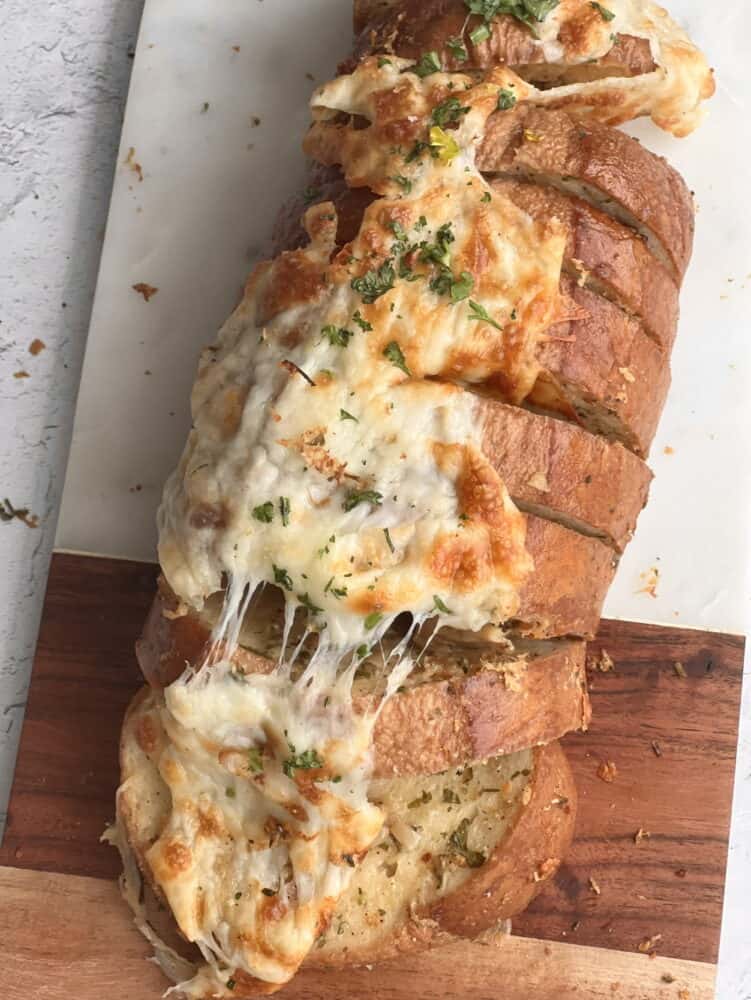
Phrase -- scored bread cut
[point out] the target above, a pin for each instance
(467, 699)
(460, 852)
(605, 256)
(600, 164)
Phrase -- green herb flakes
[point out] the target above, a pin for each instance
(506, 99)
(448, 112)
(282, 577)
(458, 49)
(440, 605)
(480, 313)
(304, 761)
(355, 497)
(346, 415)
(372, 620)
(458, 843)
(337, 336)
(284, 510)
(264, 512)
(429, 62)
(388, 539)
(255, 760)
(605, 14)
(306, 602)
(375, 283)
(394, 354)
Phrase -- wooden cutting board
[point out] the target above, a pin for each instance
(65, 933)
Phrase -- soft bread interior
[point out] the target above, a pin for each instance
(438, 830)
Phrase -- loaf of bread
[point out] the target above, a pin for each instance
(418, 452)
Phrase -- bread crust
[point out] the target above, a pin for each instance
(555, 465)
(605, 255)
(607, 360)
(411, 27)
(527, 857)
(480, 700)
(629, 180)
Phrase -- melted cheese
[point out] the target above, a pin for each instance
(335, 468)
(671, 94)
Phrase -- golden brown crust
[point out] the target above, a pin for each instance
(408, 28)
(479, 700)
(606, 255)
(565, 592)
(557, 466)
(631, 182)
(607, 360)
(526, 858)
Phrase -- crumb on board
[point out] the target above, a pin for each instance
(539, 481)
(145, 289)
(667, 450)
(594, 885)
(651, 578)
(9, 512)
(132, 164)
(681, 872)
(607, 771)
(680, 670)
(656, 748)
(684, 995)
(205, 107)
(21, 374)
(603, 663)
(627, 374)
(648, 945)
(666, 977)
(255, 121)
(641, 834)
(36, 346)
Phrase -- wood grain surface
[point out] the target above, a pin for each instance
(670, 883)
(95, 952)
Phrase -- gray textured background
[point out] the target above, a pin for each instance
(64, 70)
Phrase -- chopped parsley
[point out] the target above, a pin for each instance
(395, 355)
(337, 336)
(346, 415)
(438, 252)
(398, 230)
(421, 223)
(306, 602)
(480, 314)
(448, 112)
(429, 62)
(230, 792)
(421, 800)
(372, 620)
(605, 14)
(284, 509)
(264, 512)
(362, 323)
(375, 283)
(479, 34)
(231, 984)
(311, 194)
(355, 497)
(417, 150)
(440, 605)
(458, 842)
(526, 11)
(282, 577)
(255, 760)
(486, 197)
(301, 761)
(388, 539)
(458, 49)
(450, 796)
(338, 592)
(506, 99)
(461, 287)
(383, 61)
(362, 651)
(404, 182)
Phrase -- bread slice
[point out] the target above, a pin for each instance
(605, 369)
(559, 471)
(467, 699)
(605, 256)
(465, 850)
(601, 165)
(411, 27)
(461, 851)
